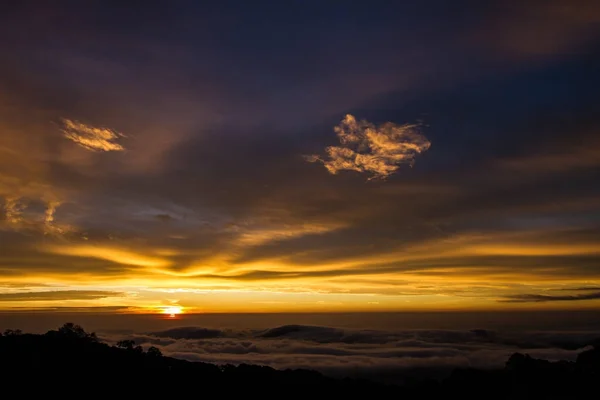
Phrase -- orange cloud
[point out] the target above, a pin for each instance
(378, 150)
(92, 138)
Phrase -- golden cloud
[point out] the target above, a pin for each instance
(255, 237)
(90, 137)
(378, 150)
(113, 254)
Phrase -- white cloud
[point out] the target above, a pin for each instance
(359, 353)
(92, 138)
(378, 150)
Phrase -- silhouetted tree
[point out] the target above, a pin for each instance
(589, 360)
(72, 331)
(130, 345)
(126, 344)
(517, 361)
(154, 351)
(13, 332)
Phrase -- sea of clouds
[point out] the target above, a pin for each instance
(386, 355)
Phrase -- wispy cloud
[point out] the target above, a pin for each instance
(579, 289)
(257, 236)
(49, 226)
(12, 210)
(90, 137)
(537, 298)
(366, 147)
(116, 255)
(16, 217)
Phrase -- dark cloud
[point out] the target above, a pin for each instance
(540, 28)
(579, 289)
(92, 310)
(537, 298)
(23, 285)
(163, 217)
(59, 295)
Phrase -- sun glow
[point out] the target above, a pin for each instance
(172, 311)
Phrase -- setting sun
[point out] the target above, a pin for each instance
(172, 311)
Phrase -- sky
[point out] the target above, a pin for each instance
(297, 156)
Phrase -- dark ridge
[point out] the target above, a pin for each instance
(74, 362)
(286, 330)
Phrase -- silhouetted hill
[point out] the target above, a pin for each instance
(71, 359)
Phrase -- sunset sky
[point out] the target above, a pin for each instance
(283, 156)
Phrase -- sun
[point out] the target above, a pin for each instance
(172, 311)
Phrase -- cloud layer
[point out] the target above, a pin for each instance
(384, 355)
(377, 150)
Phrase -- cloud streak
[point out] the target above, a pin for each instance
(117, 255)
(90, 137)
(59, 295)
(577, 289)
(538, 298)
(378, 150)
